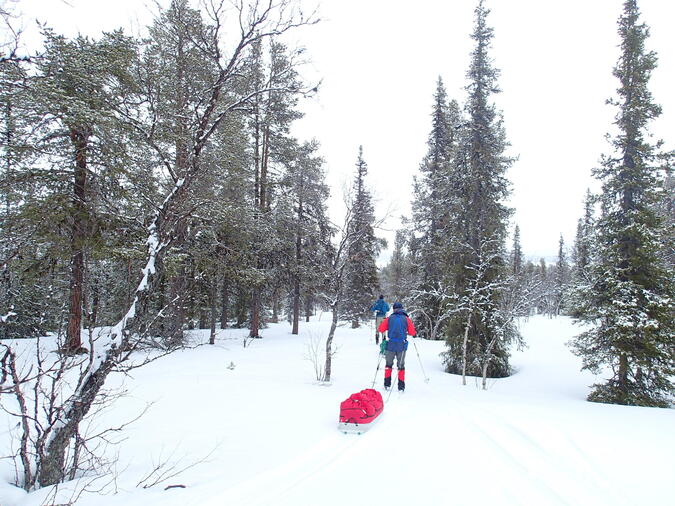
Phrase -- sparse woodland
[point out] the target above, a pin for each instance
(152, 186)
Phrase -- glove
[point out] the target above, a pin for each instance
(383, 346)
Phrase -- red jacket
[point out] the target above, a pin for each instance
(384, 326)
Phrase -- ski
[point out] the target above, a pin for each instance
(354, 428)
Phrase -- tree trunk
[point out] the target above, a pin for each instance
(298, 260)
(242, 306)
(190, 300)
(296, 305)
(177, 302)
(95, 301)
(52, 468)
(161, 302)
(79, 138)
(486, 361)
(308, 307)
(623, 371)
(329, 352)
(204, 317)
(214, 301)
(255, 313)
(225, 299)
(256, 154)
(275, 306)
(465, 343)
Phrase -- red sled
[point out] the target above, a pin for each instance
(360, 410)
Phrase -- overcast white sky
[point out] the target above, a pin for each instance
(379, 61)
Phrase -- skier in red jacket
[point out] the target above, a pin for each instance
(398, 326)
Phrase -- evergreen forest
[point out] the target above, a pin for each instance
(151, 186)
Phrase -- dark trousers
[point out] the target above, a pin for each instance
(400, 364)
(400, 359)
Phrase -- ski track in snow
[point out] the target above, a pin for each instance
(554, 476)
(530, 439)
(284, 479)
(287, 476)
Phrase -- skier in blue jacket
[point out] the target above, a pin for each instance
(380, 307)
(398, 327)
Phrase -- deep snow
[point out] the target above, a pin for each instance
(257, 429)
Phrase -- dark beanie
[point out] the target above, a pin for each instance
(381, 296)
(398, 305)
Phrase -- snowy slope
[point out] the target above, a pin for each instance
(264, 432)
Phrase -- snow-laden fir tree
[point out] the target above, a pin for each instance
(629, 300)
(667, 210)
(397, 274)
(516, 253)
(361, 283)
(522, 285)
(481, 332)
(431, 246)
(581, 252)
(561, 279)
(430, 209)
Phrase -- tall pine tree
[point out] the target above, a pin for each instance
(482, 331)
(432, 247)
(396, 275)
(361, 283)
(561, 279)
(516, 253)
(630, 301)
(581, 253)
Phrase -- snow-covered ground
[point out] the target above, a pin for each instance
(253, 427)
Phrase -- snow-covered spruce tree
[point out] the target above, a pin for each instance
(516, 253)
(581, 252)
(480, 223)
(429, 207)
(561, 279)
(361, 283)
(396, 276)
(630, 300)
(431, 246)
(666, 210)
(339, 244)
(522, 286)
(545, 297)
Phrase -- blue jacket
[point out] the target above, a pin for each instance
(397, 331)
(381, 307)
